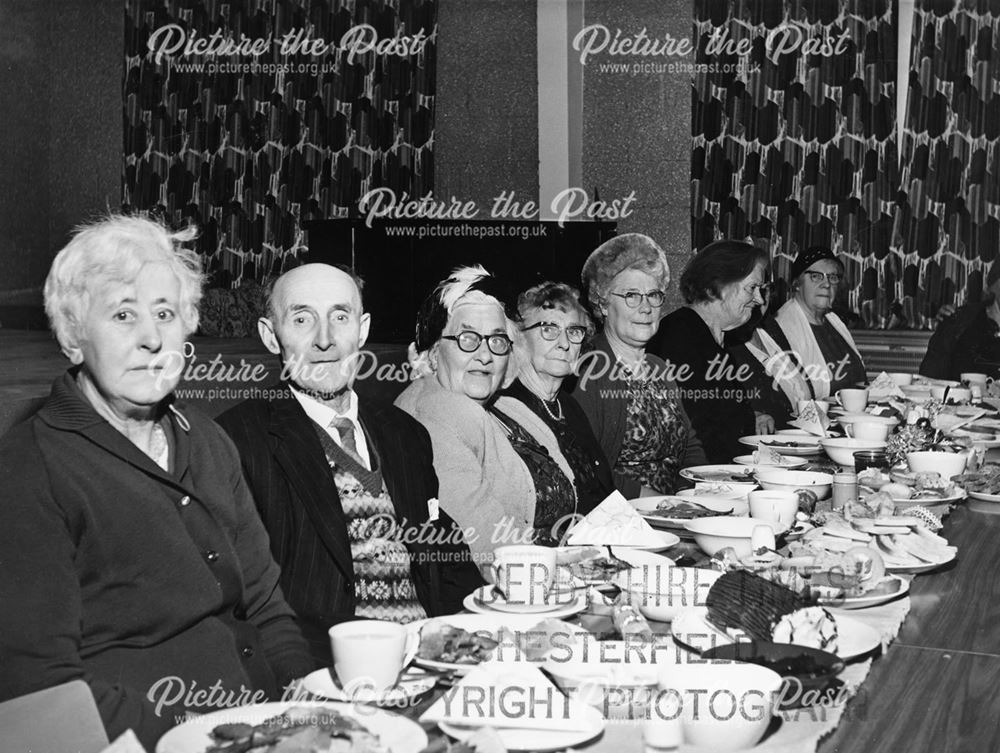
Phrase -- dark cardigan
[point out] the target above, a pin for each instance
(719, 407)
(118, 573)
(576, 421)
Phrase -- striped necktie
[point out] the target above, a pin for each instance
(345, 428)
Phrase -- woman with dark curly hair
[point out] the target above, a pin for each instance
(721, 285)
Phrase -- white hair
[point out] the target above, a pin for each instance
(113, 250)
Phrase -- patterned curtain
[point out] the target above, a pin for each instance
(792, 119)
(337, 99)
(947, 226)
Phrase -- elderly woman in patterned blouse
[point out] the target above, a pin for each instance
(630, 396)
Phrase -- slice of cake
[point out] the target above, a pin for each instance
(766, 611)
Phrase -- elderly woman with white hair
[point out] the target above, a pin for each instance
(133, 556)
(629, 395)
(501, 474)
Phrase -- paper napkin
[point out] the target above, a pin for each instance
(813, 419)
(764, 455)
(614, 521)
(511, 696)
(882, 387)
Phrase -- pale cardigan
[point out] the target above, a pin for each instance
(482, 482)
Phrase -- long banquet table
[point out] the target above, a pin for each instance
(936, 689)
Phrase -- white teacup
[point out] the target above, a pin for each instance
(971, 378)
(854, 401)
(900, 379)
(775, 507)
(369, 654)
(524, 573)
(868, 430)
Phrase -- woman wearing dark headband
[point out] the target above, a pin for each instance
(502, 476)
(806, 349)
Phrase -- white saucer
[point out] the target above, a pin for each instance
(488, 600)
(412, 685)
(538, 740)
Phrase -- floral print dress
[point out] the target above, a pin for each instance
(656, 436)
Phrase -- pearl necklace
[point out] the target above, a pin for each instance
(553, 416)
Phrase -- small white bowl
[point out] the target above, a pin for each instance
(850, 418)
(713, 534)
(947, 464)
(660, 593)
(723, 706)
(778, 479)
(842, 451)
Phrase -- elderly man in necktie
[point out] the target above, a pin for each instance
(345, 487)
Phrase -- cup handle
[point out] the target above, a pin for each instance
(412, 646)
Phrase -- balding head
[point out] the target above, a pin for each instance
(316, 324)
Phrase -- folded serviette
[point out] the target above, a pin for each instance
(882, 387)
(614, 521)
(764, 455)
(813, 419)
(126, 742)
(511, 696)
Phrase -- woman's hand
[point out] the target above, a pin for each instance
(764, 423)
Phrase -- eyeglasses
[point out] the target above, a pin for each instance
(633, 298)
(816, 278)
(469, 342)
(574, 333)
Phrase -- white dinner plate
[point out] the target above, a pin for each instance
(634, 557)
(920, 566)
(786, 445)
(487, 600)
(489, 624)
(902, 586)
(692, 628)
(982, 502)
(412, 685)
(397, 733)
(536, 739)
(647, 507)
(788, 462)
(733, 475)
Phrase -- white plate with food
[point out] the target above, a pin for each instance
(672, 512)
(892, 587)
(458, 642)
(314, 720)
(489, 600)
(596, 566)
(731, 474)
(920, 566)
(787, 461)
(414, 683)
(692, 628)
(540, 740)
(785, 444)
